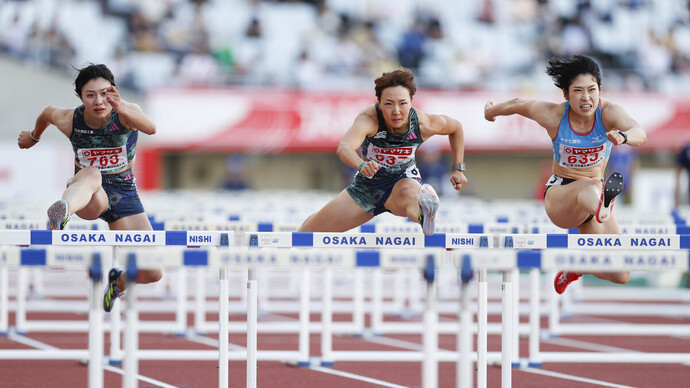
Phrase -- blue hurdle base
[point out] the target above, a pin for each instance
(534, 364)
(327, 363)
(115, 362)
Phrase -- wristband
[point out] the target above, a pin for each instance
(31, 134)
(625, 136)
(459, 166)
(359, 169)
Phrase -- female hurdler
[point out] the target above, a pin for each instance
(583, 129)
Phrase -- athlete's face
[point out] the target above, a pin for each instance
(395, 104)
(583, 95)
(93, 95)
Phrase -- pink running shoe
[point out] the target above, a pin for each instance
(563, 279)
(612, 187)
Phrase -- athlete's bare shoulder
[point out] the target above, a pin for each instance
(60, 117)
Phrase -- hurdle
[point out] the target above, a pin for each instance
(322, 254)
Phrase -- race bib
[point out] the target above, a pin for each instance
(581, 157)
(105, 159)
(389, 157)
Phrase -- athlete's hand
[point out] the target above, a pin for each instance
(370, 169)
(458, 179)
(488, 106)
(25, 140)
(112, 96)
(615, 137)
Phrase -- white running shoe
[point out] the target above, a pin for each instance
(428, 205)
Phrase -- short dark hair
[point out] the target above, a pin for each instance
(564, 70)
(90, 72)
(401, 77)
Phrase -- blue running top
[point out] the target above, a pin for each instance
(571, 149)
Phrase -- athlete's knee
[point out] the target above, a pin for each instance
(93, 176)
(620, 277)
(150, 276)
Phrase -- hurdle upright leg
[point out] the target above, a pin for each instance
(4, 300)
(430, 334)
(252, 317)
(327, 318)
(482, 317)
(464, 371)
(131, 363)
(95, 324)
(223, 336)
(534, 317)
(506, 335)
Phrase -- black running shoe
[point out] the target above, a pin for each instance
(112, 291)
(612, 187)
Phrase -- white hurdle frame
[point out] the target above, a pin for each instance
(504, 260)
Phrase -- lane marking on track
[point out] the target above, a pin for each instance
(140, 377)
(44, 346)
(202, 339)
(573, 378)
(29, 341)
(355, 377)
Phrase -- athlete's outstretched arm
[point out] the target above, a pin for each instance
(615, 119)
(131, 115)
(546, 114)
(59, 117)
(365, 125)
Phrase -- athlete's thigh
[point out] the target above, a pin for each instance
(96, 206)
(134, 222)
(404, 192)
(342, 213)
(562, 207)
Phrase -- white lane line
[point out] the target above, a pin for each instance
(573, 378)
(355, 377)
(393, 342)
(202, 339)
(140, 377)
(29, 341)
(44, 346)
(572, 343)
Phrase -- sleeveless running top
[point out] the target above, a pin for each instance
(395, 153)
(109, 148)
(574, 150)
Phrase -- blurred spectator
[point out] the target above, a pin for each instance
(642, 43)
(411, 48)
(235, 176)
(624, 159)
(682, 172)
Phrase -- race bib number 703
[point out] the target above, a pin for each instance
(103, 158)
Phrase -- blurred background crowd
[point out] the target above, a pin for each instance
(343, 44)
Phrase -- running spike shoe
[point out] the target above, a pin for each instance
(428, 205)
(112, 291)
(58, 215)
(563, 279)
(612, 187)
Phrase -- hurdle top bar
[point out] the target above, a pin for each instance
(116, 237)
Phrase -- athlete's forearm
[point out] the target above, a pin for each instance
(43, 120)
(137, 119)
(636, 136)
(349, 155)
(457, 146)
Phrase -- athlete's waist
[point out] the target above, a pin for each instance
(126, 167)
